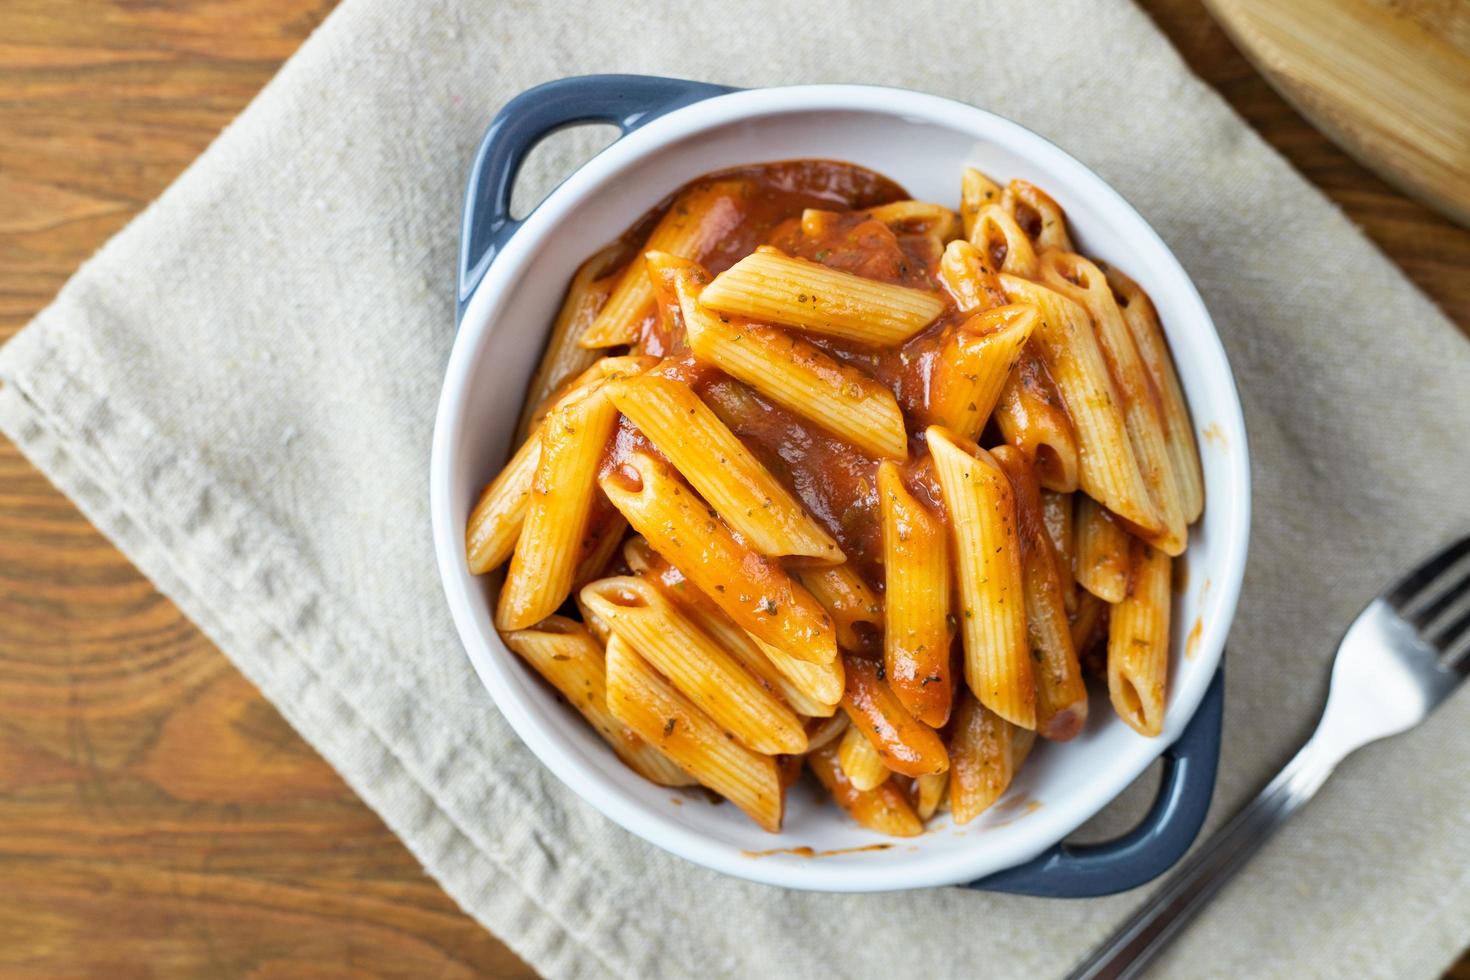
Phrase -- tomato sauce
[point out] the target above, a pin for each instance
(834, 480)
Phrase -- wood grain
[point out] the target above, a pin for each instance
(157, 816)
(1389, 81)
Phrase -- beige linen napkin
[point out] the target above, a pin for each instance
(239, 390)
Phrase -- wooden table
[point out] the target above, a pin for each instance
(156, 814)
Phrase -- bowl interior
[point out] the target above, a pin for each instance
(922, 142)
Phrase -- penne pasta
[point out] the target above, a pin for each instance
(935, 220)
(622, 365)
(1108, 469)
(992, 599)
(860, 762)
(564, 358)
(495, 523)
(968, 276)
(916, 563)
(1143, 322)
(772, 287)
(821, 732)
(854, 607)
(565, 391)
(701, 669)
(699, 217)
(1090, 630)
(752, 589)
(1031, 417)
(602, 544)
(552, 540)
(1102, 552)
(976, 191)
(821, 684)
(976, 359)
(1038, 215)
(1056, 514)
(811, 689)
(596, 625)
(817, 223)
(1138, 643)
(564, 653)
(717, 464)
(905, 744)
(1005, 246)
(1061, 696)
(929, 792)
(795, 375)
(1080, 280)
(982, 762)
(884, 809)
(649, 705)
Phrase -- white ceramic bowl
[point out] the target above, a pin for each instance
(923, 142)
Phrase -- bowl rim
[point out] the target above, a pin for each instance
(1051, 824)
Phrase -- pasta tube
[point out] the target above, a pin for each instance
(717, 464)
(661, 716)
(916, 639)
(1109, 470)
(1030, 417)
(699, 217)
(884, 808)
(795, 375)
(976, 191)
(974, 363)
(1138, 643)
(701, 669)
(1080, 280)
(1143, 322)
(860, 762)
(551, 543)
(772, 287)
(905, 744)
(992, 598)
(1061, 696)
(982, 760)
(752, 589)
(811, 689)
(1102, 552)
(569, 658)
(854, 607)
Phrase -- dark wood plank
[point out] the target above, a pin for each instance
(157, 816)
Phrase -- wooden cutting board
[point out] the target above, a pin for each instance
(1388, 80)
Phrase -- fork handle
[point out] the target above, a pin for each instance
(1144, 935)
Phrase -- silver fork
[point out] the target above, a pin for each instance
(1401, 657)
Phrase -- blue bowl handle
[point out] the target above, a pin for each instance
(1151, 848)
(626, 101)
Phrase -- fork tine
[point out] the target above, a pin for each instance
(1457, 656)
(1419, 579)
(1444, 638)
(1444, 601)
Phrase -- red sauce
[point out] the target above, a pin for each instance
(836, 481)
(804, 851)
